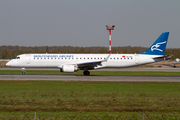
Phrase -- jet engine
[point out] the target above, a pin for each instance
(177, 59)
(68, 68)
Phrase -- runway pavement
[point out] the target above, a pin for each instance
(90, 78)
(95, 78)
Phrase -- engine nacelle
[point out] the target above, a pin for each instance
(177, 59)
(68, 68)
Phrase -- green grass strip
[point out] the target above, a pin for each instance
(89, 97)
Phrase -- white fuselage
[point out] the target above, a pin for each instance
(57, 60)
(75, 62)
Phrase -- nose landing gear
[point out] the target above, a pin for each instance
(23, 71)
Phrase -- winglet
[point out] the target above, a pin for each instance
(105, 60)
(159, 46)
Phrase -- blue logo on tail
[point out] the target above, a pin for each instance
(155, 47)
(159, 46)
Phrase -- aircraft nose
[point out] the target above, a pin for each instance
(9, 63)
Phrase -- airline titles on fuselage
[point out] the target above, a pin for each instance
(53, 56)
(72, 56)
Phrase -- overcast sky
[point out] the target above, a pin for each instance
(83, 22)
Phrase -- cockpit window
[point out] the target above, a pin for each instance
(17, 57)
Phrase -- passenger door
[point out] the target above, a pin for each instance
(28, 58)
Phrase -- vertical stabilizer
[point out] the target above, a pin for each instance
(159, 46)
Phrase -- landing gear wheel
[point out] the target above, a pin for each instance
(23, 73)
(86, 72)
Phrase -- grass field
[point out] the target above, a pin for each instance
(52, 72)
(92, 97)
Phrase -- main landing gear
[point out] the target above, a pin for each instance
(174, 66)
(23, 71)
(86, 72)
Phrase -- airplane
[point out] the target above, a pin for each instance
(172, 64)
(70, 63)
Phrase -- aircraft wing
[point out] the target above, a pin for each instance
(89, 65)
(85, 65)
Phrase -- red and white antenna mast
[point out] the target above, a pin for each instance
(110, 28)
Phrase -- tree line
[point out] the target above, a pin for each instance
(9, 52)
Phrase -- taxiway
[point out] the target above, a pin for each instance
(96, 77)
(90, 78)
